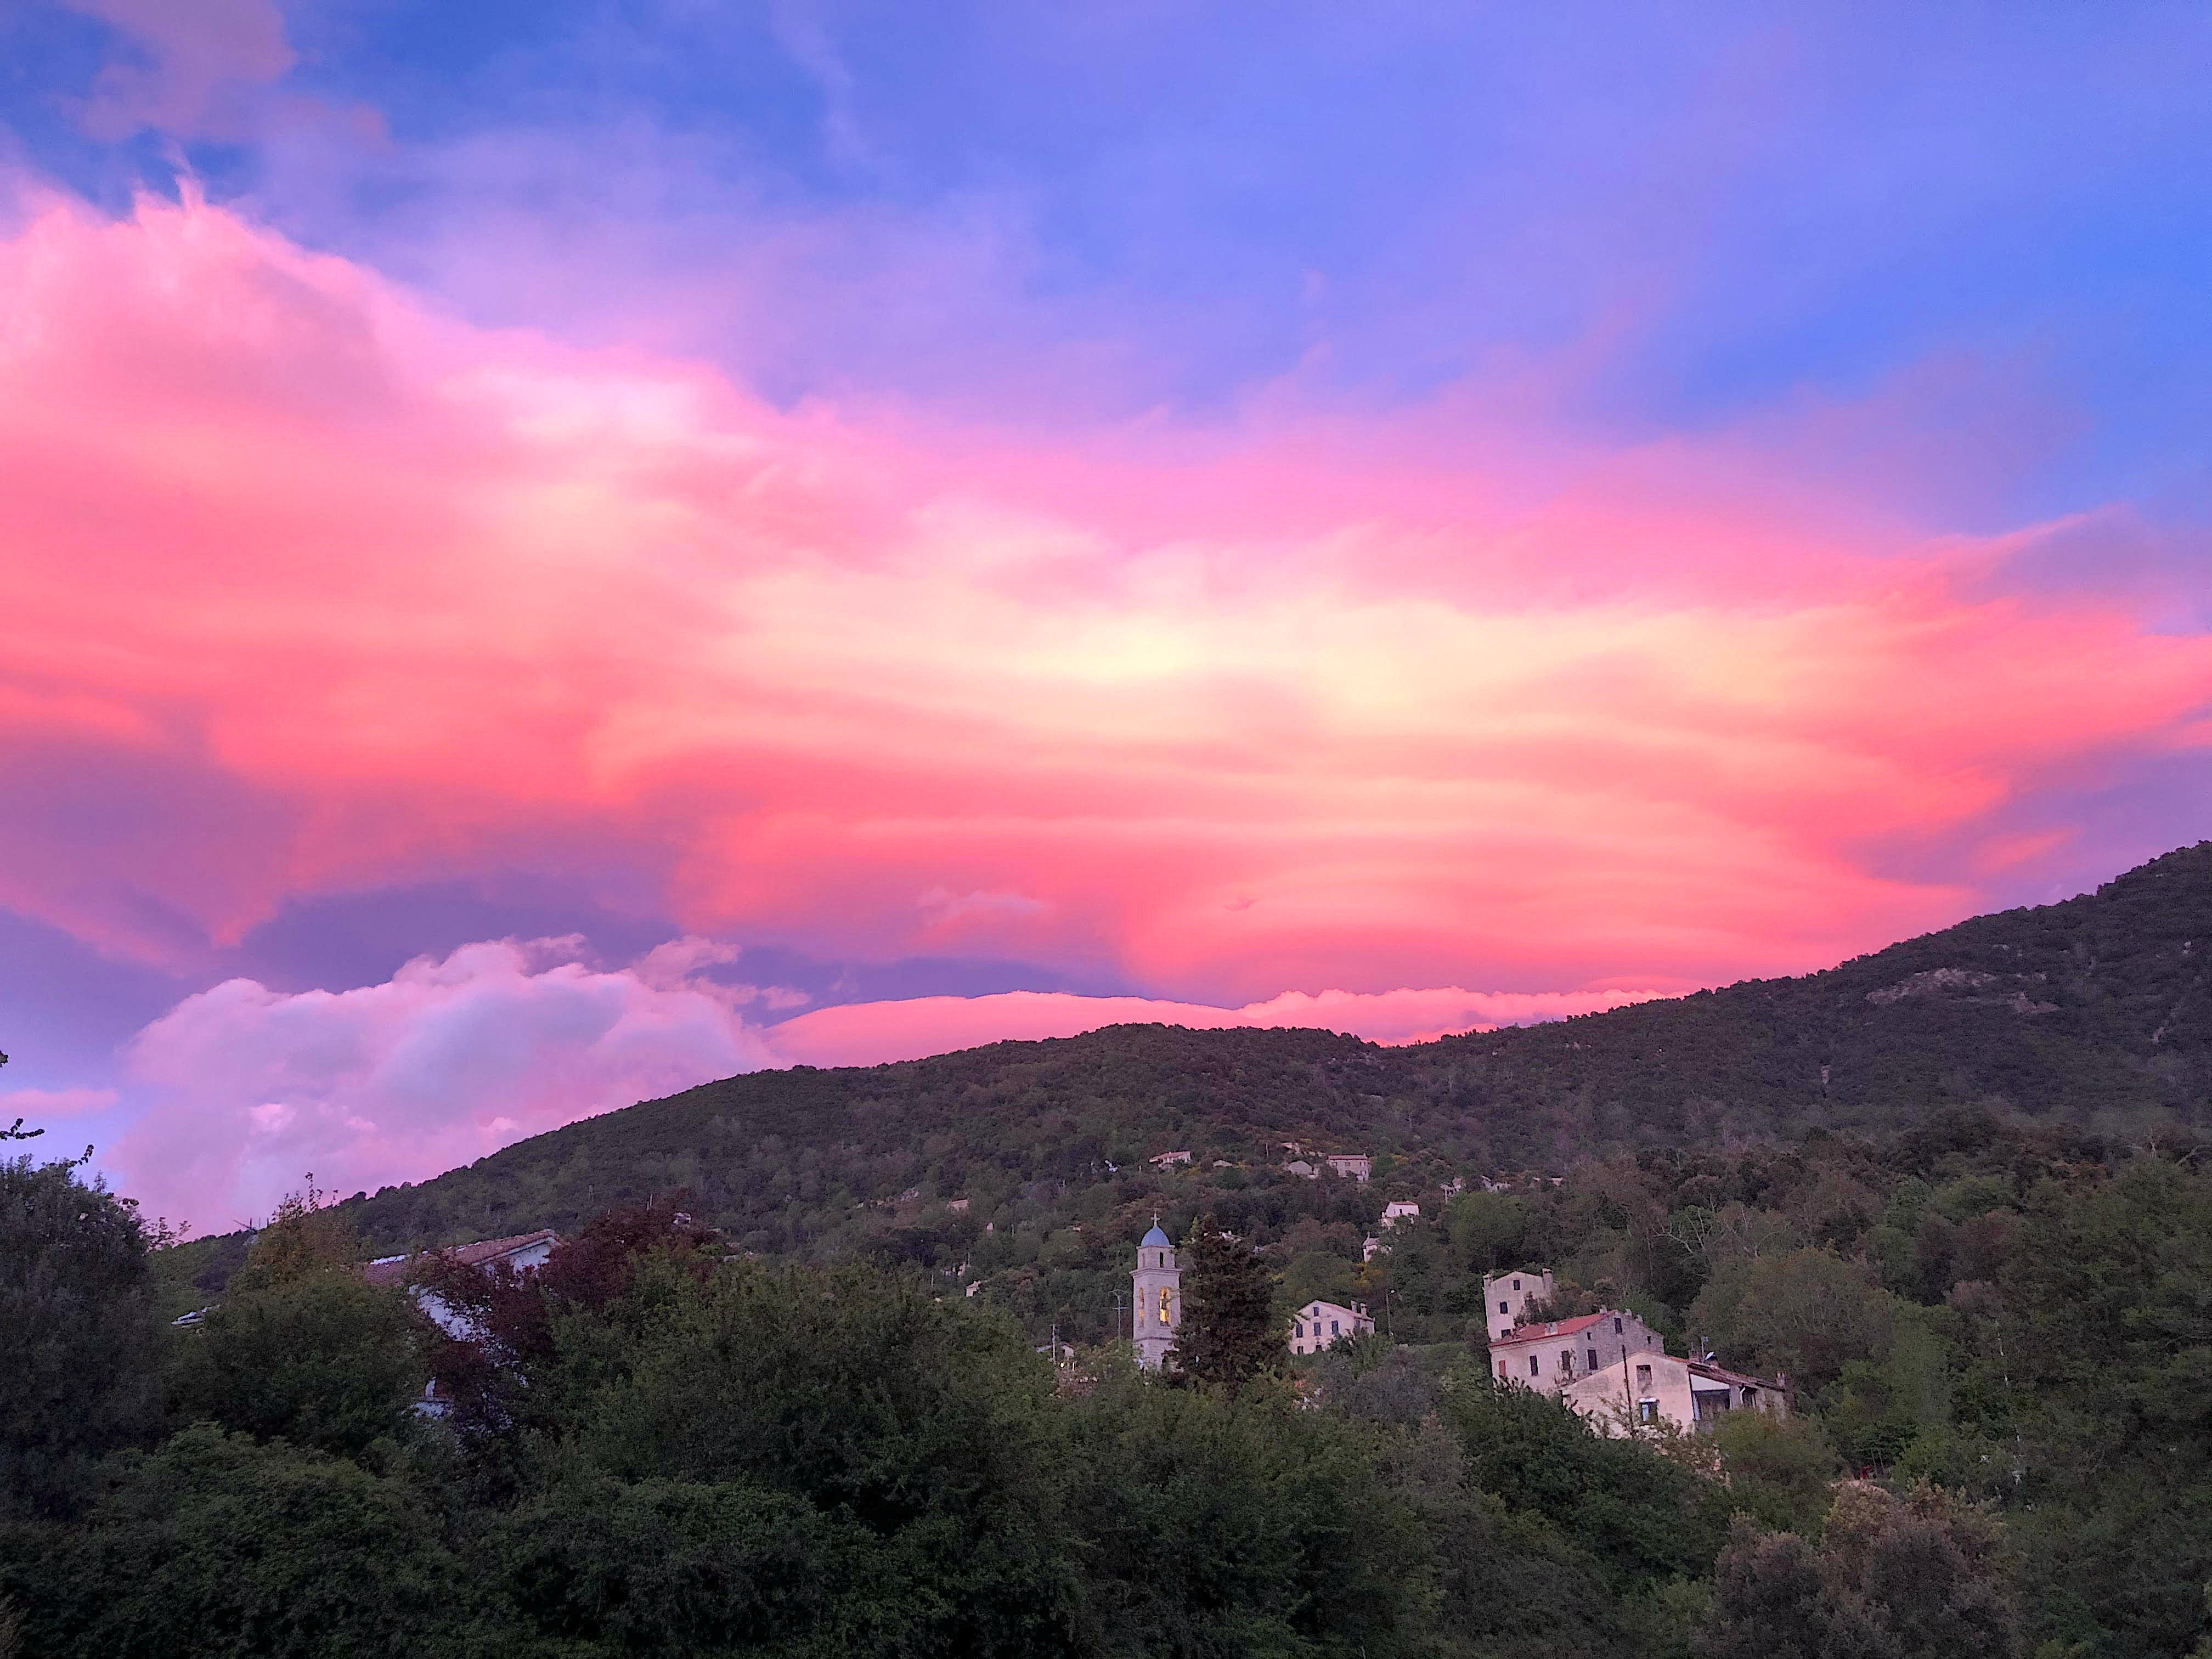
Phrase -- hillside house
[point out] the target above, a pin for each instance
(1303, 1170)
(1353, 1166)
(1395, 1212)
(520, 1253)
(1550, 1355)
(1319, 1325)
(1690, 1393)
(1506, 1296)
(1169, 1160)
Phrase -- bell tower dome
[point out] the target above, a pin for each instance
(1158, 1310)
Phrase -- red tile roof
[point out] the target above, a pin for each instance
(393, 1270)
(1542, 1332)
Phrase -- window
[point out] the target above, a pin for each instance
(1501, 1308)
(1642, 1377)
(1647, 1410)
(1616, 1327)
(1332, 1327)
(1301, 1328)
(1164, 1304)
(1532, 1365)
(1516, 1284)
(1566, 1362)
(1592, 1357)
(1747, 1393)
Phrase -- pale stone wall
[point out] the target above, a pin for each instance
(1319, 1325)
(1554, 1356)
(1662, 1386)
(1506, 1296)
(1157, 1284)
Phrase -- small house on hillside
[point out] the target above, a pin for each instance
(1354, 1166)
(1392, 1213)
(1506, 1297)
(1319, 1325)
(1168, 1160)
(1691, 1393)
(1303, 1170)
(1549, 1356)
(522, 1252)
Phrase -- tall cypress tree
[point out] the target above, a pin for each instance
(1229, 1334)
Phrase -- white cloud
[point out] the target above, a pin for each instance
(447, 1060)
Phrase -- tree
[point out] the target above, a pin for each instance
(1229, 1334)
(301, 1347)
(1895, 1578)
(213, 1544)
(78, 1330)
(1780, 1469)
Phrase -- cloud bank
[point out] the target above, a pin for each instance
(247, 1090)
(313, 589)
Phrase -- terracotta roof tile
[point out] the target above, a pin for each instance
(1546, 1332)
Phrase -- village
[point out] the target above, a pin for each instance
(1606, 1364)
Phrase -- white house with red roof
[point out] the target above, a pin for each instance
(521, 1252)
(1551, 1354)
(1614, 1369)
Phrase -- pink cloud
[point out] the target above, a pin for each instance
(248, 1089)
(871, 1033)
(196, 62)
(312, 587)
(37, 1105)
(244, 1090)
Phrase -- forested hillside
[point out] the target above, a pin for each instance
(1978, 1246)
(2094, 1015)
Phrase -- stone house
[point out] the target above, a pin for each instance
(520, 1253)
(1398, 1211)
(1690, 1393)
(1319, 1325)
(1354, 1166)
(1552, 1356)
(1506, 1296)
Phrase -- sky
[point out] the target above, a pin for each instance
(554, 552)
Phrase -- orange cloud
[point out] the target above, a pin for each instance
(310, 587)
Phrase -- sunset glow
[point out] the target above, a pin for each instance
(985, 651)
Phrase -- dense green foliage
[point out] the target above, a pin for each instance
(76, 1326)
(1958, 1192)
(2094, 1015)
(659, 1446)
(1230, 1337)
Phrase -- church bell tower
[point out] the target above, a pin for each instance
(1159, 1311)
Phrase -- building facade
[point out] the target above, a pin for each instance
(1690, 1393)
(1550, 1355)
(1319, 1325)
(1157, 1285)
(1506, 1296)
